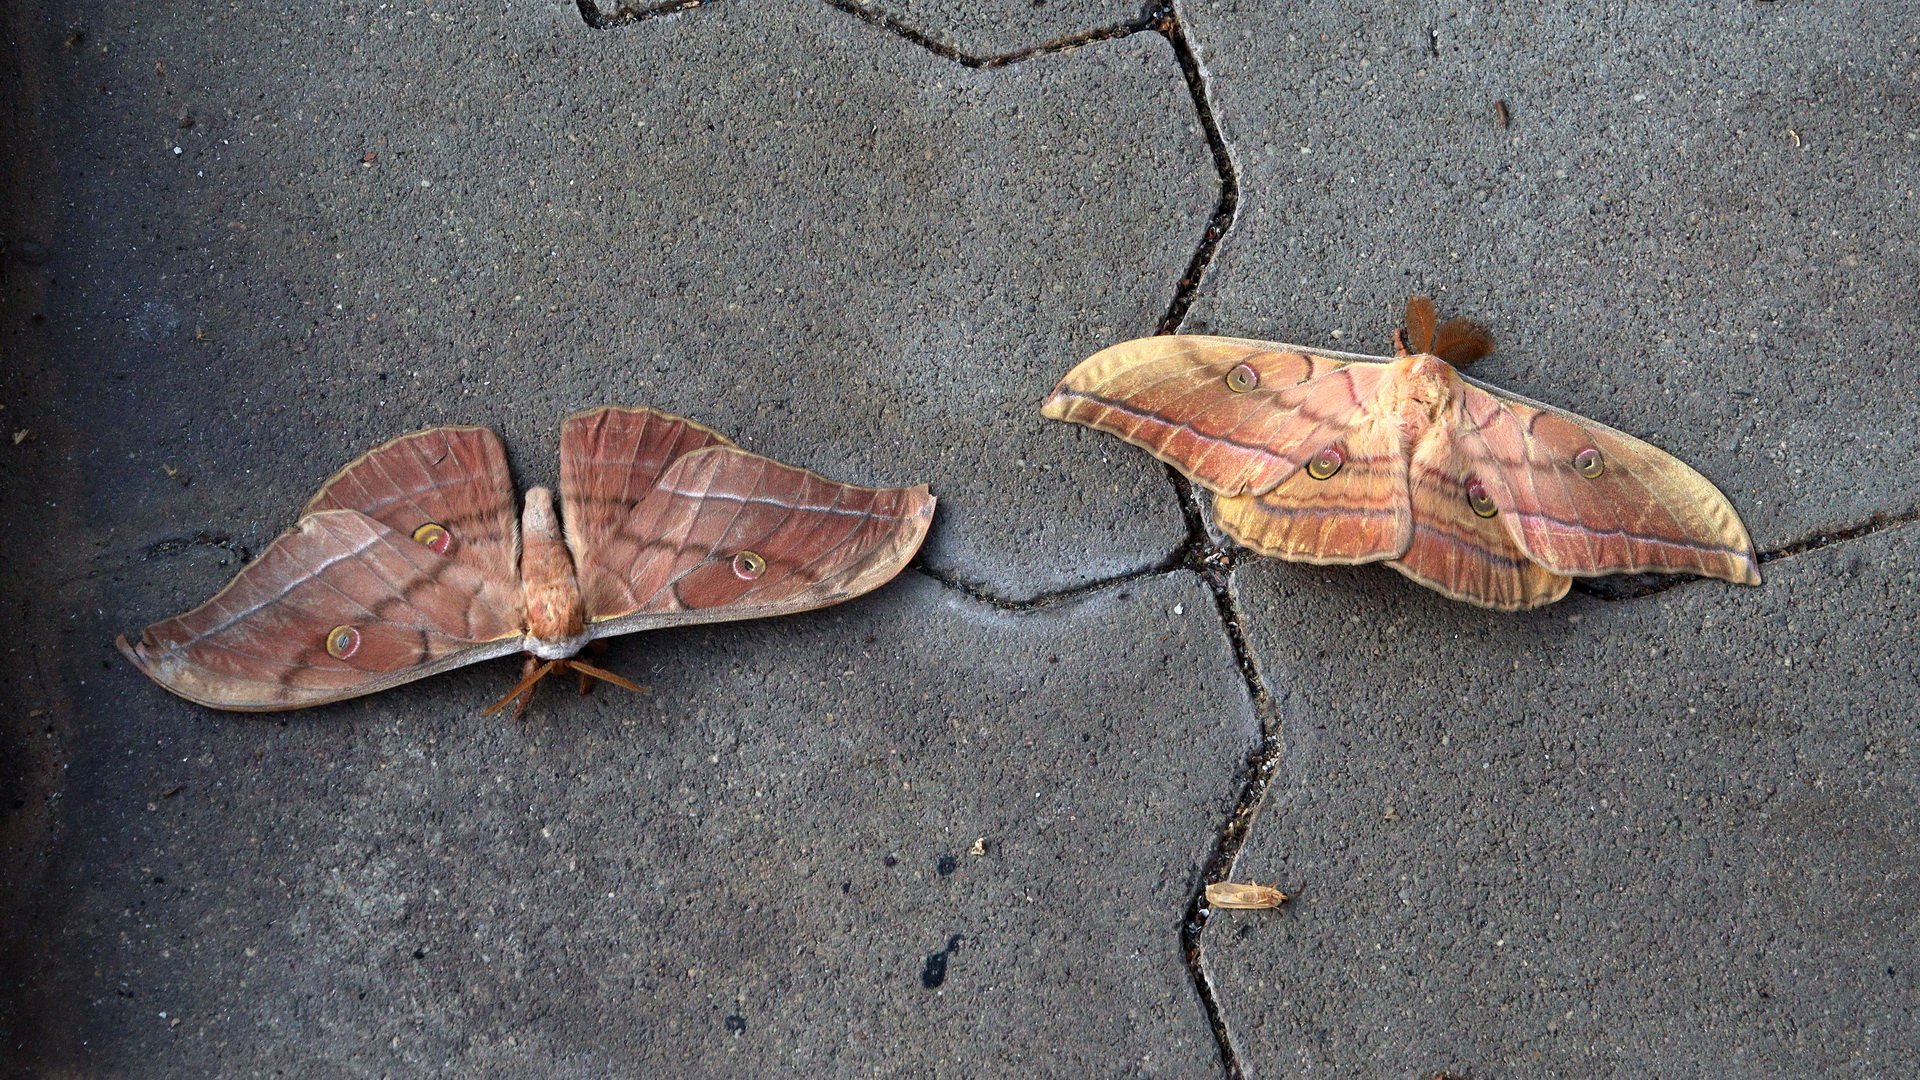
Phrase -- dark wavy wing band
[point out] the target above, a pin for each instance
(454, 477)
(729, 534)
(261, 643)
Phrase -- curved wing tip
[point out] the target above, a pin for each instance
(917, 522)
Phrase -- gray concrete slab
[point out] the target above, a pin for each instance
(241, 246)
(1694, 228)
(990, 32)
(747, 872)
(776, 218)
(268, 240)
(1670, 837)
(1001, 28)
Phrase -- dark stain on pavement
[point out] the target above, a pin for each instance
(935, 972)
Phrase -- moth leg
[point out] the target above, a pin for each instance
(606, 676)
(523, 690)
(596, 647)
(529, 680)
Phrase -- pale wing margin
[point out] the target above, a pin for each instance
(1170, 396)
(259, 645)
(1647, 512)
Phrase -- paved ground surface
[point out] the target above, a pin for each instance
(1644, 832)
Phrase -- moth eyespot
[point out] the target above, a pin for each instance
(434, 536)
(1324, 464)
(1477, 498)
(1589, 463)
(1242, 379)
(749, 565)
(342, 642)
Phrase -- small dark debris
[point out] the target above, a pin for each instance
(76, 37)
(172, 791)
(158, 880)
(935, 972)
(419, 954)
(945, 864)
(186, 122)
(890, 861)
(737, 1024)
(1501, 113)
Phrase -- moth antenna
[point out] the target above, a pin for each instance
(522, 687)
(1418, 333)
(1461, 341)
(606, 676)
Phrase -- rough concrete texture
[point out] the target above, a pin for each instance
(994, 32)
(836, 247)
(1004, 28)
(1671, 837)
(746, 872)
(1694, 229)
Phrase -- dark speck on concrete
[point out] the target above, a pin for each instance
(945, 864)
(737, 1024)
(935, 972)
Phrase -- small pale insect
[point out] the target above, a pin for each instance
(1245, 896)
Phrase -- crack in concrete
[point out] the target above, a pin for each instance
(1168, 25)
(890, 21)
(1169, 565)
(627, 15)
(1215, 565)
